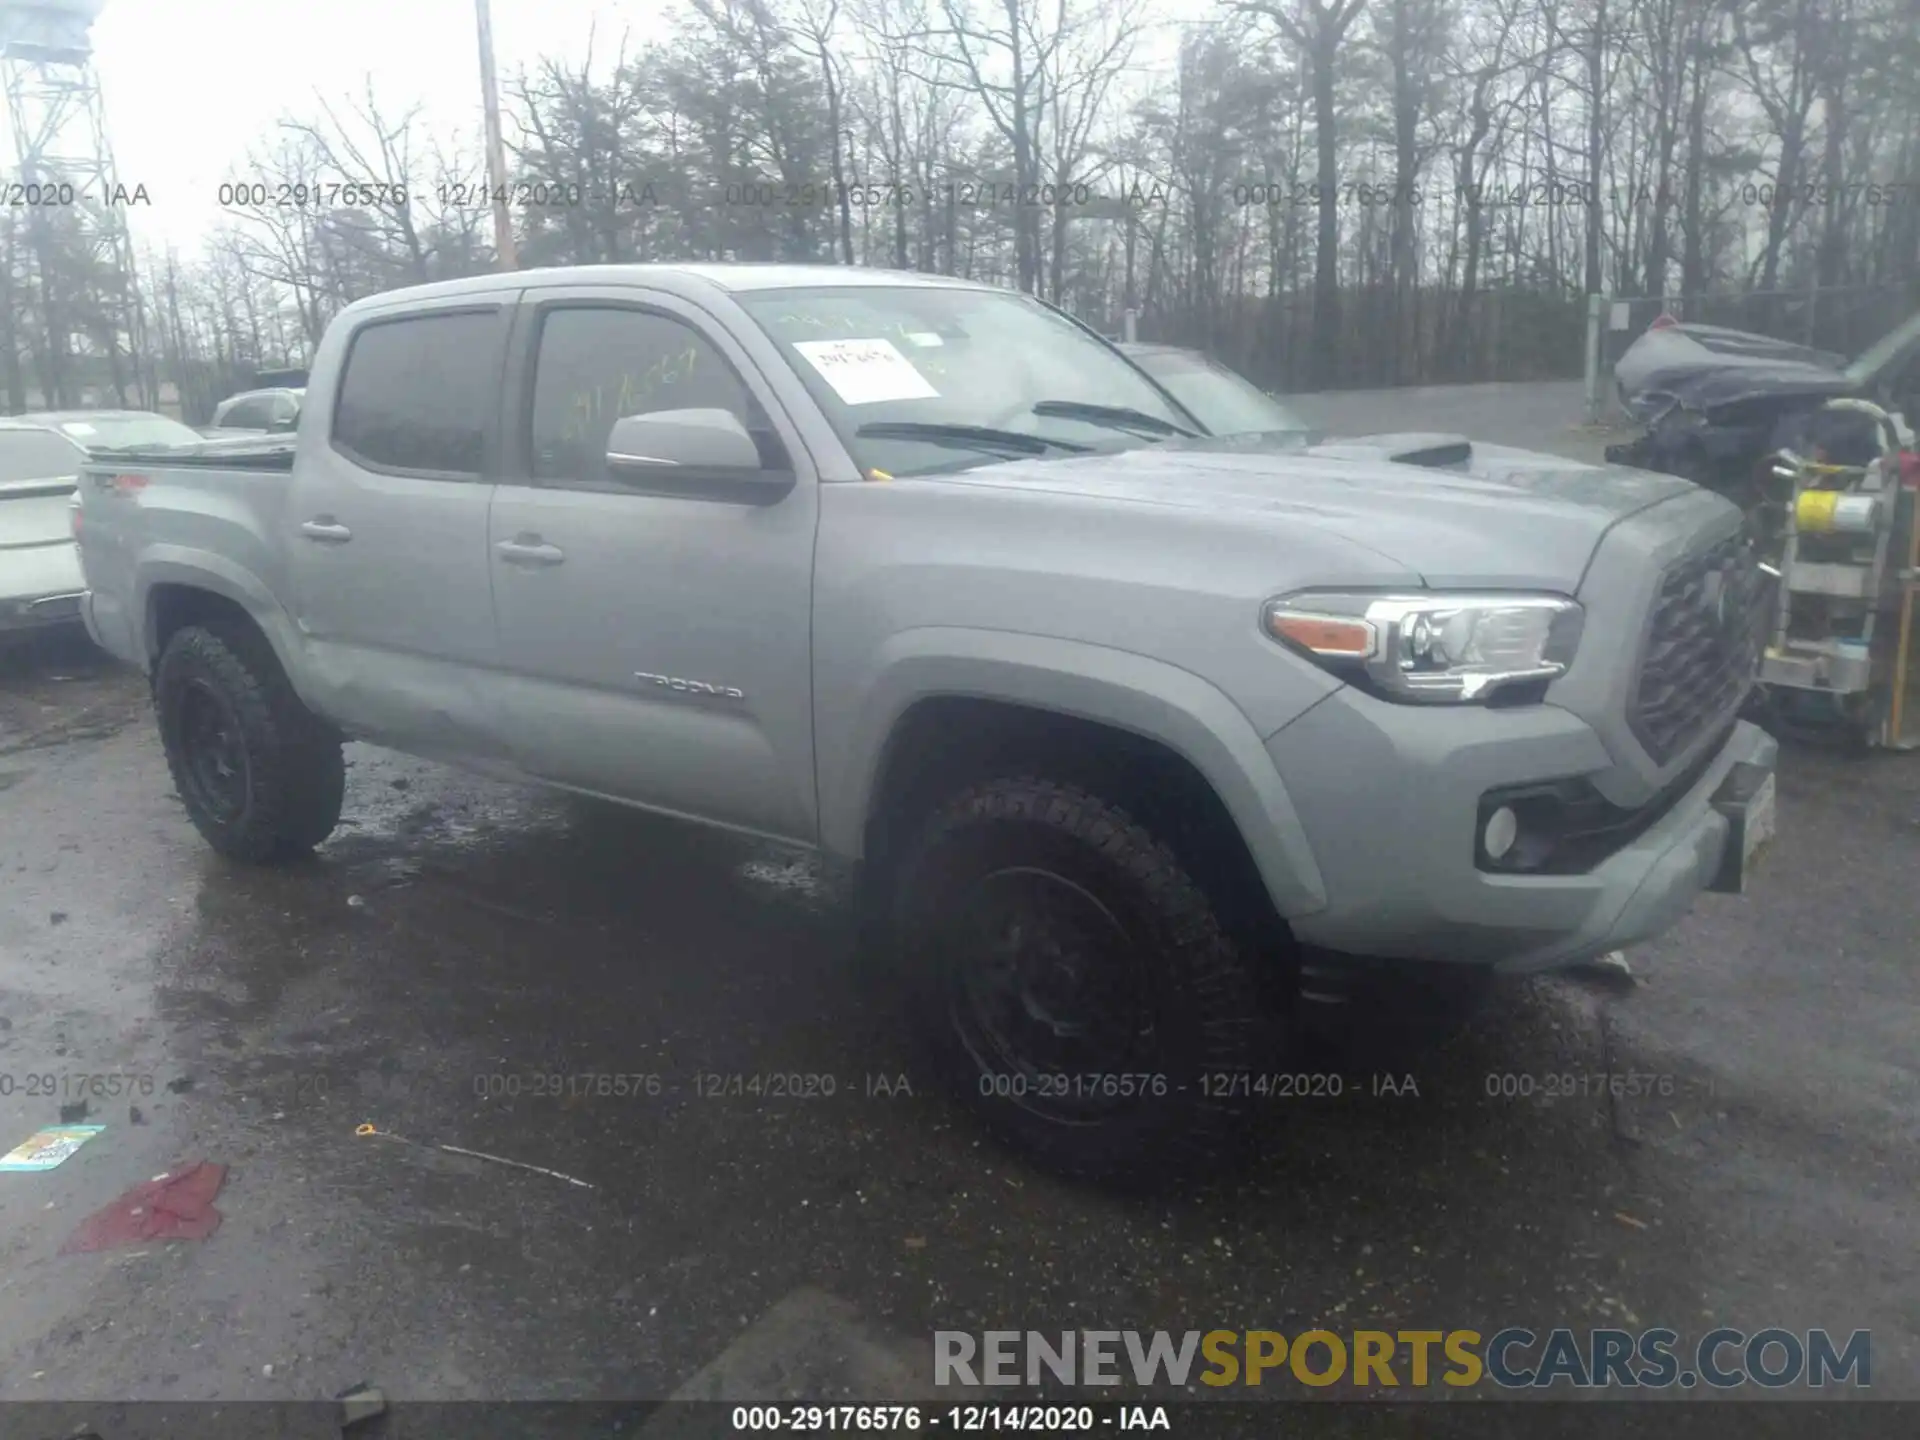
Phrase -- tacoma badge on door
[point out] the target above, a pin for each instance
(692, 687)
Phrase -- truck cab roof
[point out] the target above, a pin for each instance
(733, 278)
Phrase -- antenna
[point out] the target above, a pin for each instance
(78, 250)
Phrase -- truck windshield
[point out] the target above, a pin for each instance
(1225, 402)
(930, 378)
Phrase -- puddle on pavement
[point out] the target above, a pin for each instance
(795, 879)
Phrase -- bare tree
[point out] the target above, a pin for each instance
(1317, 27)
(273, 233)
(1007, 54)
(1414, 42)
(1785, 79)
(368, 178)
(1493, 65)
(1093, 50)
(816, 26)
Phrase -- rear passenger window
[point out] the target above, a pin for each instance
(416, 393)
(598, 364)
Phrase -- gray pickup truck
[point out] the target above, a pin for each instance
(1135, 739)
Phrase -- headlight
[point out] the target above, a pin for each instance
(1431, 649)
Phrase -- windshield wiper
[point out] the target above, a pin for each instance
(1117, 417)
(977, 437)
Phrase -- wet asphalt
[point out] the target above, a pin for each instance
(470, 964)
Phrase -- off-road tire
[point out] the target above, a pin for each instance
(295, 776)
(1207, 1019)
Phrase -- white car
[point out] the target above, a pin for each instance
(114, 429)
(40, 581)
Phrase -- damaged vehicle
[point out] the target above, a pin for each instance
(1720, 404)
(1136, 742)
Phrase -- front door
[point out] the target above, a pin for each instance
(656, 643)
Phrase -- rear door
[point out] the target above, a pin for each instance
(39, 565)
(387, 529)
(658, 641)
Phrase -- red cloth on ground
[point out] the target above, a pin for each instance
(177, 1206)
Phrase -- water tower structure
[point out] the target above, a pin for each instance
(74, 219)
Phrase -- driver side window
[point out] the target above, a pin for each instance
(596, 365)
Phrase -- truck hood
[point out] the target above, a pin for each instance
(1458, 514)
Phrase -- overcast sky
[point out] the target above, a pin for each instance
(190, 85)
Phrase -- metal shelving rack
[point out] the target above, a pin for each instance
(1865, 681)
(1894, 736)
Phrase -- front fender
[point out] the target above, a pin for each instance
(1148, 697)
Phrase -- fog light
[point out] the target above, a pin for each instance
(1503, 828)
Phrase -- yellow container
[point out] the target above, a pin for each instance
(1827, 512)
(1815, 511)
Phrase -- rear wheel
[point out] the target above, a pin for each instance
(262, 778)
(1075, 984)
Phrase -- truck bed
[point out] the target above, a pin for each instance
(210, 511)
(249, 452)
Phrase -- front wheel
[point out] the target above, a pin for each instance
(261, 777)
(1075, 984)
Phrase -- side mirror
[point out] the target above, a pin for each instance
(700, 452)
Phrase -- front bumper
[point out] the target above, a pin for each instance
(1389, 798)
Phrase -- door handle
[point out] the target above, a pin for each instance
(326, 529)
(529, 550)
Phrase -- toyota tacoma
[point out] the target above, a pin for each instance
(1136, 740)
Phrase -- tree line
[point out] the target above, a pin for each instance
(1322, 192)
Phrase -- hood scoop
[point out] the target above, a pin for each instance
(1430, 451)
(1440, 455)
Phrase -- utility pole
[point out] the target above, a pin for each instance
(496, 151)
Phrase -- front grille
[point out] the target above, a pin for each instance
(1702, 648)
